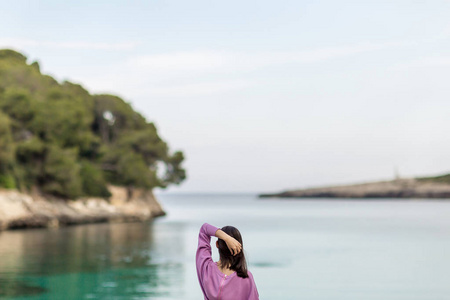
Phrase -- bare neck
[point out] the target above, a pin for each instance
(224, 269)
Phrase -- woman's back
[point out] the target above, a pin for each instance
(214, 284)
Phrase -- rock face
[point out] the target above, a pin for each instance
(19, 210)
(401, 188)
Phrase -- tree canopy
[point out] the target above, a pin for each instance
(66, 142)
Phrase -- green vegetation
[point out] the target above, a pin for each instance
(64, 141)
(441, 179)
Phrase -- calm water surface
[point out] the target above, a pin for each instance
(296, 250)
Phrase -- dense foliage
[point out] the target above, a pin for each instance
(68, 143)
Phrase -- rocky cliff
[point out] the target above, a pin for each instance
(401, 188)
(19, 210)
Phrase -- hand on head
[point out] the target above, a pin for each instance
(233, 245)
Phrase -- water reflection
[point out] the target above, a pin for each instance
(92, 261)
(14, 288)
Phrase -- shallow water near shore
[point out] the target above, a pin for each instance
(296, 249)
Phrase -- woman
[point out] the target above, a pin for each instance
(228, 279)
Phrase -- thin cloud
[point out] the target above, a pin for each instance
(131, 87)
(435, 61)
(225, 61)
(182, 61)
(75, 45)
(187, 73)
(196, 89)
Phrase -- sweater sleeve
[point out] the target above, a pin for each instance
(253, 290)
(204, 248)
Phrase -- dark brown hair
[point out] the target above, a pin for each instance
(236, 263)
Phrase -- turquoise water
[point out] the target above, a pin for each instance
(324, 249)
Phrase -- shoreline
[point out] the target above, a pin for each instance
(394, 189)
(21, 211)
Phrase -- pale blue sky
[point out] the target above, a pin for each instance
(262, 95)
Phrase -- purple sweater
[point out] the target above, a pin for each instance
(216, 285)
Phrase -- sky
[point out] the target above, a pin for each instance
(261, 96)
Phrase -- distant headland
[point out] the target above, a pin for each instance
(425, 187)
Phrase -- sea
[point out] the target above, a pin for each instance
(312, 249)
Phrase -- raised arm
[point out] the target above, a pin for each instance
(203, 257)
(204, 245)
